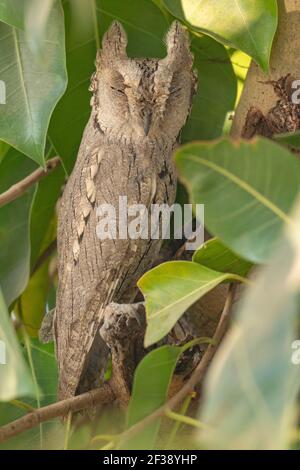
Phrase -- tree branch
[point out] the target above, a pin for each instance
(106, 395)
(100, 396)
(197, 376)
(19, 188)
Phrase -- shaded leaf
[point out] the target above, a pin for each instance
(14, 226)
(243, 186)
(44, 363)
(151, 382)
(215, 255)
(217, 88)
(290, 138)
(43, 215)
(252, 385)
(170, 289)
(243, 24)
(34, 84)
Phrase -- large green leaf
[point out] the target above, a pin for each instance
(151, 382)
(14, 227)
(170, 289)
(15, 380)
(245, 191)
(249, 25)
(28, 223)
(252, 387)
(215, 255)
(34, 84)
(146, 26)
(290, 138)
(12, 12)
(43, 214)
(44, 368)
(217, 88)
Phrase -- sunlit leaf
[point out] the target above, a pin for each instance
(170, 289)
(244, 24)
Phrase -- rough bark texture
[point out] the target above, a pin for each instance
(285, 59)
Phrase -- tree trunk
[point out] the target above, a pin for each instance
(285, 59)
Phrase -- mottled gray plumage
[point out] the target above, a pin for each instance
(139, 107)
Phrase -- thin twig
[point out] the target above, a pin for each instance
(19, 188)
(197, 376)
(100, 396)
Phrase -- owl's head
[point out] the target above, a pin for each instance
(143, 99)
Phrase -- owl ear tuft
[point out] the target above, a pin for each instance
(178, 47)
(113, 44)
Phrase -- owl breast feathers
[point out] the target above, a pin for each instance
(139, 107)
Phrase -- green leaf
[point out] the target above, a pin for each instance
(4, 147)
(32, 302)
(45, 370)
(170, 289)
(215, 255)
(217, 88)
(243, 24)
(252, 386)
(34, 83)
(151, 382)
(12, 12)
(243, 186)
(14, 227)
(290, 138)
(43, 215)
(15, 380)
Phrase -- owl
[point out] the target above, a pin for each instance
(138, 109)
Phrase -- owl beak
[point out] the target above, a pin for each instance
(147, 123)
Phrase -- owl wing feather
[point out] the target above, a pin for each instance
(94, 272)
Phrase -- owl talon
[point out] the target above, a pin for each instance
(123, 331)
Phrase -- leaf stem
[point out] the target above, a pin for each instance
(177, 423)
(184, 419)
(67, 430)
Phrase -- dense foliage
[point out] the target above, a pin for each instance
(250, 189)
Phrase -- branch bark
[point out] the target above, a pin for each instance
(285, 59)
(100, 396)
(19, 188)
